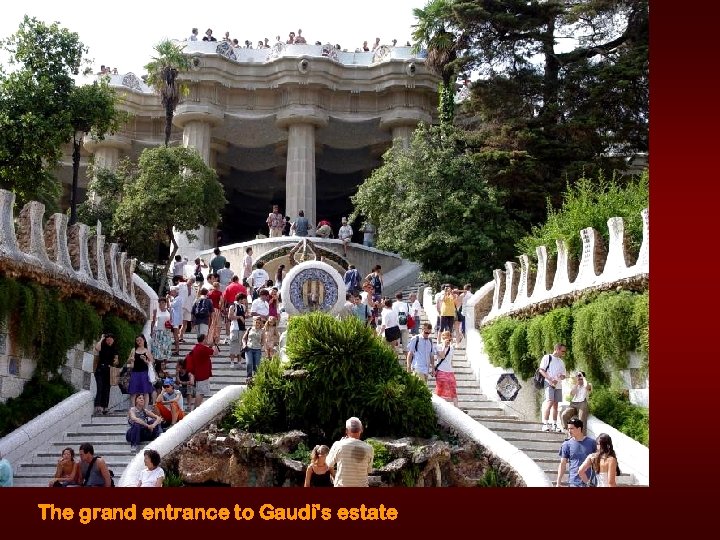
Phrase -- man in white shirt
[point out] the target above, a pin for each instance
(260, 307)
(421, 353)
(275, 222)
(225, 276)
(402, 310)
(258, 278)
(351, 457)
(552, 368)
(415, 312)
(345, 234)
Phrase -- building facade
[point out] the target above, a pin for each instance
(300, 126)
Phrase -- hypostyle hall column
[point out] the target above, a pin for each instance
(300, 179)
(197, 120)
(402, 122)
(106, 153)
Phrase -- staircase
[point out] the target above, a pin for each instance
(107, 433)
(542, 447)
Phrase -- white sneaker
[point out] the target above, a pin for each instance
(558, 429)
(546, 427)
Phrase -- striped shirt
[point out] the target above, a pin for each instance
(353, 459)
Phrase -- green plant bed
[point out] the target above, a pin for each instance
(613, 407)
(336, 369)
(37, 396)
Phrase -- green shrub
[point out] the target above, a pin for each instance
(590, 203)
(614, 408)
(496, 337)
(381, 455)
(341, 369)
(124, 333)
(493, 478)
(557, 328)
(522, 362)
(38, 395)
(641, 320)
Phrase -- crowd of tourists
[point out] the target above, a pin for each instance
(292, 39)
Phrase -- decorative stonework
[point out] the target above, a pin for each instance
(131, 81)
(329, 51)
(381, 54)
(313, 286)
(276, 51)
(508, 387)
(226, 50)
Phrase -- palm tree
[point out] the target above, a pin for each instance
(162, 77)
(432, 32)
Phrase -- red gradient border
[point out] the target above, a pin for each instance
(685, 121)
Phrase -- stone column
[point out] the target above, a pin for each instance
(402, 121)
(106, 153)
(300, 188)
(197, 120)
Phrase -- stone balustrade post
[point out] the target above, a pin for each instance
(56, 240)
(499, 290)
(525, 285)
(111, 269)
(31, 239)
(512, 278)
(592, 254)
(78, 248)
(8, 241)
(643, 262)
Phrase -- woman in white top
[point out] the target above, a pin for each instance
(390, 327)
(445, 383)
(152, 475)
(603, 463)
(161, 332)
(580, 392)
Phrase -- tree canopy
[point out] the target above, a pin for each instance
(170, 189)
(432, 204)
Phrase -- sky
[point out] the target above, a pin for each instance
(122, 34)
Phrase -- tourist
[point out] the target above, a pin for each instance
(152, 475)
(6, 472)
(275, 221)
(94, 471)
(169, 403)
(402, 312)
(201, 311)
(345, 234)
(368, 231)
(416, 312)
(323, 229)
(291, 38)
(229, 297)
(145, 425)
(445, 383)
(389, 326)
(299, 39)
(287, 226)
(215, 296)
(260, 44)
(267, 43)
(186, 381)
(161, 334)
(106, 356)
(447, 309)
(217, 262)
(603, 463)
(361, 309)
(225, 276)
(421, 353)
(301, 227)
(208, 35)
(376, 44)
(236, 316)
(253, 341)
(258, 278)
(247, 263)
(351, 457)
(67, 471)
(376, 280)
(198, 273)
(574, 451)
(554, 373)
(199, 363)
(179, 267)
(272, 336)
(177, 314)
(279, 276)
(579, 394)
(140, 360)
(227, 37)
(274, 303)
(466, 296)
(352, 279)
(318, 474)
(193, 35)
(365, 46)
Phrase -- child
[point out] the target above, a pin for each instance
(186, 382)
(318, 473)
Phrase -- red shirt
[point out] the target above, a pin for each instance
(231, 291)
(215, 295)
(199, 363)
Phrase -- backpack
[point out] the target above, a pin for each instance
(355, 280)
(89, 469)
(402, 318)
(538, 379)
(201, 308)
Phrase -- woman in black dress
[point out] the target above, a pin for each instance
(106, 356)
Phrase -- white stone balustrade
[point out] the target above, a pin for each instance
(513, 290)
(67, 257)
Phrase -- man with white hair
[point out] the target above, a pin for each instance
(345, 234)
(351, 457)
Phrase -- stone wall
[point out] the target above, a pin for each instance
(79, 264)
